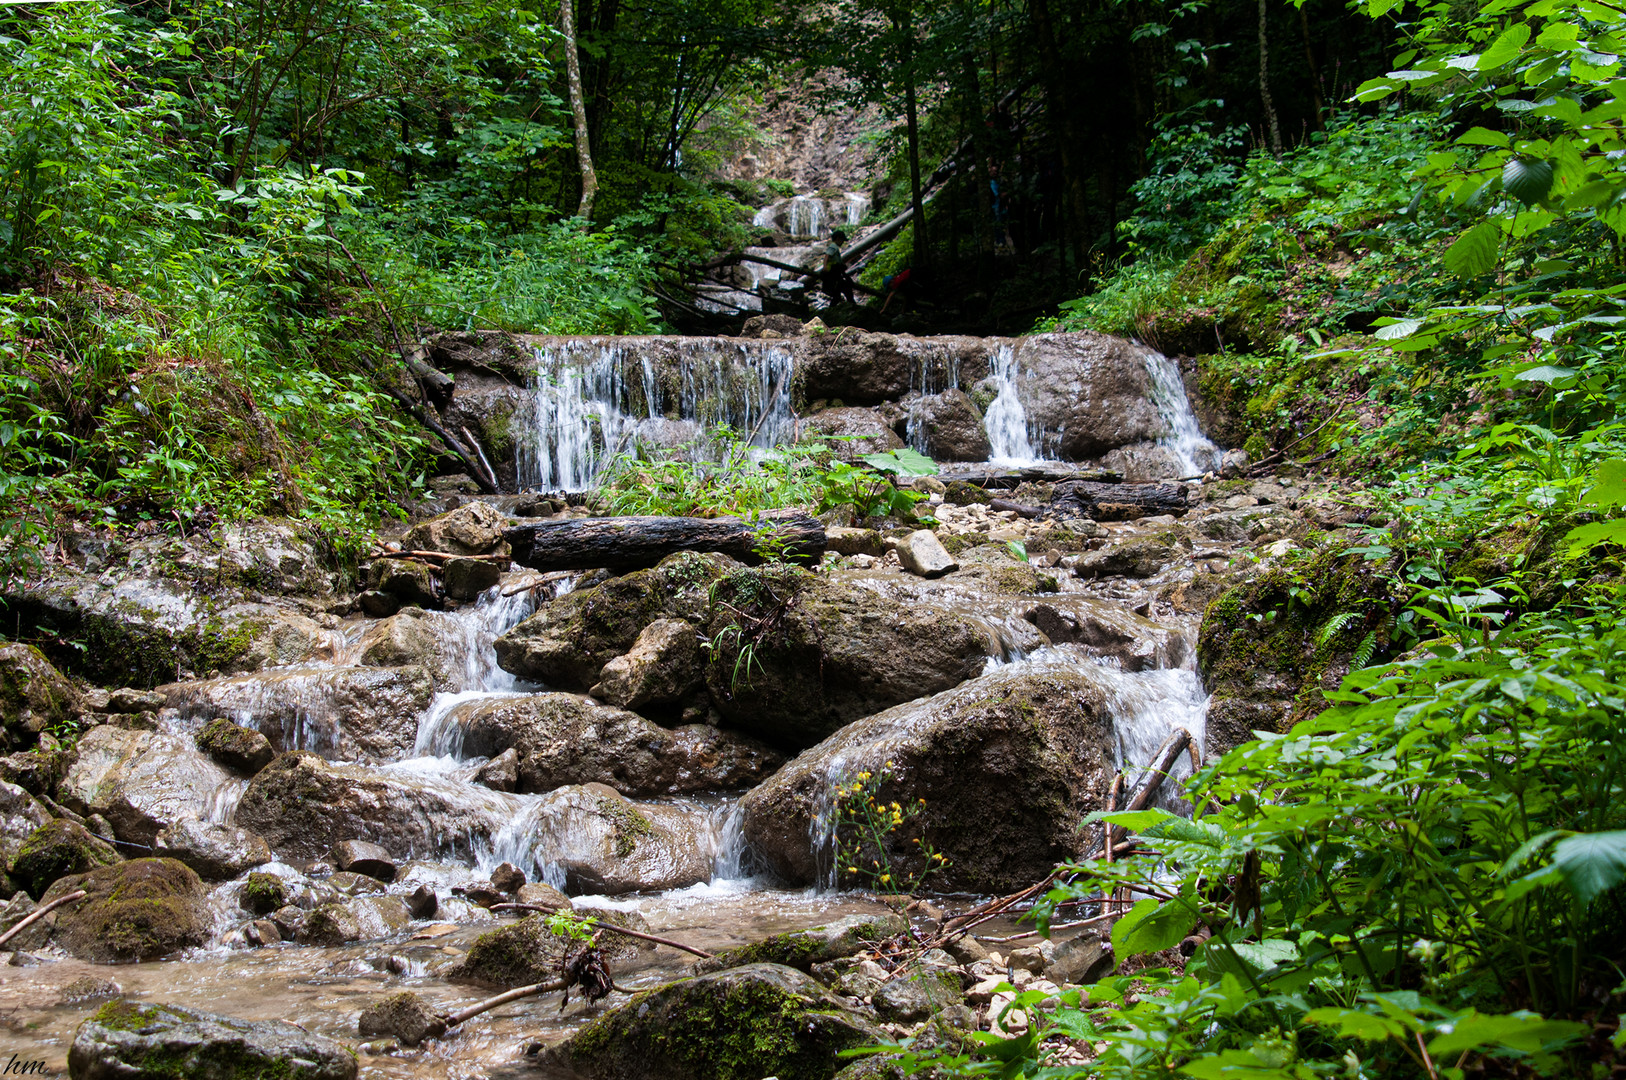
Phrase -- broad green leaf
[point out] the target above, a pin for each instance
(1474, 252)
(1591, 863)
(1506, 47)
(1136, 821)
(1519, 1031)
(1404, 328)
(1483, 137)
(1527, 180)
(1545, 373)
(1151, 926)
(1586, 537)
(1354, 1024)
(1235, 1065)
(1608, 484)
(904, 462)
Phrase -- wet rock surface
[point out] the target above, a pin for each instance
(560, 739)
(130, 1040)
(143, 909)
(141, 782)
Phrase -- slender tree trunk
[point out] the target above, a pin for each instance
(1066, 128)
(1315, 72)
(912, 117)
(1264, 85)
(578, 109)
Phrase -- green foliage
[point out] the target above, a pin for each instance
(718, 475)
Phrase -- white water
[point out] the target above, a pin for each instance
(1192, 451)
(1006, 421)
(592, 399)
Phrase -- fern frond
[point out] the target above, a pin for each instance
(1363, 651)
(1335, 624)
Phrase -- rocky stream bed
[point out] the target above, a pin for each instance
(298, 788)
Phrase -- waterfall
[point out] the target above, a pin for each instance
(936, 370)
(1006, 422)
(592, 399)
(857, 207)
(805, 218)
(1192, 452)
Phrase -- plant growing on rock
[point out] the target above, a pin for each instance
(865, 828)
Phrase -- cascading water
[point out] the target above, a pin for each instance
(1191, 450)
(1006, 421)
(805, 218)
(593, 399)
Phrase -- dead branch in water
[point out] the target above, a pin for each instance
(34, 916)
(606, 926)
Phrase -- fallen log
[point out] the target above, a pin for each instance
(633, 542)
(1117, 502)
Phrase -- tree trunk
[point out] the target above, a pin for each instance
(578, 110)
(1066, 129)
(632, 542)
(1264, 85)
(1119, 502)
(912, 117)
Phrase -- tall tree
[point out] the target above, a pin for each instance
(578, 111)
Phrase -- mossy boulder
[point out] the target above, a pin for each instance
(130, 1041)
(529, 952)
(34, 696)
(1268, 648)
(741, 1024)
(917, 995)
(1136, 556)
(606, 844)
(238, 748)
(137, 910)
(1036, 742)
(21, 815)
(262, 894)
(361, 918)
(798, 655)
(568, 642)
(57, 849)
(801, 949)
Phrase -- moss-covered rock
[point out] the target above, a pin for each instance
(1035, 742)
(568, 642)
(131, 1041)
(529, 952)
(262, 894)
(57, 849)
(236, 747)
(741, 1024)
(137, 910)
(1268, 648)
(34, 696)
(474, 528)
(801, 949)
(797, 656)
(361, 918)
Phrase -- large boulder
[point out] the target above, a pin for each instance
(141, 781)
(1093, 391)
(850, 432)
(952, 426)
(529, 952)
(567, 643)
(303, 806)
(346, 713)
(663, 666)
(33, 696)
(133, 911)
(474, 528)
(129, 1041)
(564, 739)
(741, 1024)
(798, 655)
(215, 852)
(868, 369)
(177, 606)
(1035, 742)
(603, 843)
(56, 849)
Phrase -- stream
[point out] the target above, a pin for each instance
(591, 397)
